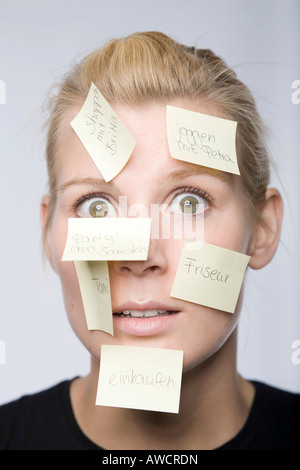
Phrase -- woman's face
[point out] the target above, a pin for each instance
(151, 177)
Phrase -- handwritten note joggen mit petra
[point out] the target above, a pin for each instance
(140, 378)
(211, 276)
(202, 139)
(93, 278)
(103, 134)
(107, 239)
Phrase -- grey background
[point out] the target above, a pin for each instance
(38, 42)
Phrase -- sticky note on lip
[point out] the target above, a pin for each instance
(103, 134)
(93, 278)
(211, 276)
(202, 139)
(140, 378)
(107, 239)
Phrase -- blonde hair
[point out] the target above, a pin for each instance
(150, 66)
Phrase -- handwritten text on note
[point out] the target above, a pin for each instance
(103, 134)
(140, 378)
(93, 278)
(91, 239)
(202, 139)
(210, 276)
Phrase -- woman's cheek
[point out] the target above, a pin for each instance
(66, 272)
(227, 231)
(69, 285)
(58, 241)
(74, 306)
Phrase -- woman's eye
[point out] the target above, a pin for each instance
(96, 207)
(188, 204)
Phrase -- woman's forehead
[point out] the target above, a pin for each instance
(151, 154)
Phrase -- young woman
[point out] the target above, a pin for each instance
(139, 76)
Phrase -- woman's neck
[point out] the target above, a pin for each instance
(214, 405)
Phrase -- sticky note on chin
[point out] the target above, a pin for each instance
(93, 278)
(107, 239)
(103, 134)
(140, 378)
(211, 276)
(202, 139)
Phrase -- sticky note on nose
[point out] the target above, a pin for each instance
(107, 239)
(202, 139)
(103, 134)
(93, 278)
(211, 276)
(140, 378)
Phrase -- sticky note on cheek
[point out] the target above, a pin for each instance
(103, 134)
(93, 278)
(202, 139)
(140, 378)
(211, 276)
(107, 239)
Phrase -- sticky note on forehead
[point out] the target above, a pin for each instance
(103, 134)
(107, 239)
(211, 276)
(93, 278)
(140, 378)
(202, 139)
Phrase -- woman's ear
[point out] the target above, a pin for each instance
(267, 230)
(44, 214)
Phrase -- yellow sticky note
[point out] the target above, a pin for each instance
(93, 278)
(202, 139)
(140, 378)
(104, 239)
(211, 276)
(103, 134)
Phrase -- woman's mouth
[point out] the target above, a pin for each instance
(145, 313)
(145, 322)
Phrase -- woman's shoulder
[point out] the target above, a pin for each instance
(273, 421)
(277, 415)
(28, 402)
(276, 399)
(29, 418)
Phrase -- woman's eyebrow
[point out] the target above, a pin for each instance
(173, 176)
(201, 170)
(83, 181)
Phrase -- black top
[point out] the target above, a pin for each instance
(45, 421)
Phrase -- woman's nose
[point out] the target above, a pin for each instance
(156, 262)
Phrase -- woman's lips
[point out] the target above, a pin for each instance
(144, 313)
(148, 321)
